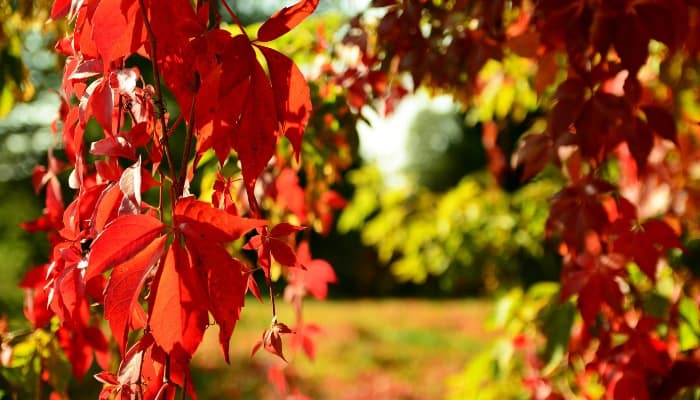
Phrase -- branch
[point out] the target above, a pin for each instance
(159, 93)
(180, 186)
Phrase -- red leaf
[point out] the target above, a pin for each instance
(594, 279)
(275, 375)
(255, 139)
(36, 308)
(196, 70)
(254, 243)
(100, 104)
(292, 96)
(113, 146)
(130, 186)
(106, 377)
(669, 21)
(108, 170)
(303, 338)
(282, 252)
(69, 301)
(578, 209)
(143, 363)
(130, 367)
(289, 194)
(120, 31)
(222, 197)
(121, 240)
(200, 220)
(253, 286)
(106, 207)
(629, 385)
(284, 229)
(77, 350)
(39, 178)
(533, 153)
(123, 144)
(177, 317)
(644, 243)
(285, 19)
(661, 122)
(631, 42)
(82, 35)
(60, 8)
(53, 211)
(271, 339)
(317, 275)
(640, 142)
(123, 290)
(173, 22)
(226, 285)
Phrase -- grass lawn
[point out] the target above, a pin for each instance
(369, 349)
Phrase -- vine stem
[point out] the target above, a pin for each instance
(233, 16)
(179, 187)
(159, 93)
(120, 113)
(121, 106)
(166, 369)
(272, 298)
(160, 194)
(183, 395)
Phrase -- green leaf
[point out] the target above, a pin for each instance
(506, 308)
(689, 328)
(557, 321)
(657, 305)
(23, 353)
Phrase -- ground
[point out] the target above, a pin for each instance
(370, 349)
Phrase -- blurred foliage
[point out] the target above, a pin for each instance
(33, 353)
(535, 329)
(18, 249)
(251, 12)
(463, 215)
(28, 69)
(473, 236)
(499, 372)
(23, 50)
(507, 92)
(369, 341)
(442, 149)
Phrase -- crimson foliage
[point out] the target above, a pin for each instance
(161, 270)
(617, 83)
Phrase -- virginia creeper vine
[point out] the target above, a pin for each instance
(163, 275)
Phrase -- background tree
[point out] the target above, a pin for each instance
(617, 99)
